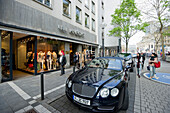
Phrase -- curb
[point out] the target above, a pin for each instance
(144, 74)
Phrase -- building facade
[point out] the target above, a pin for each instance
(32, 32)
(105, 10)
(111, 42)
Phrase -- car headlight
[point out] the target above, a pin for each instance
(114, 92)
(104, 92)
(69, 84)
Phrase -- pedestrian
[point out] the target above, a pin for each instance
(143, 59)
(83, 59)
(62, 61)
(153, 59)
(75, 58)
(138, 64)
(78, 60)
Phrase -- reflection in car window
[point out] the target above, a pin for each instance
(106, 63)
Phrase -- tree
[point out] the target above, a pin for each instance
(159, 11)
(126, 21)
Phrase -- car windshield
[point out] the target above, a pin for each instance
(106, 63)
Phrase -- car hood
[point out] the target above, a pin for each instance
(97, 76)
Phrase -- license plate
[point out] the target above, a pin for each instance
(81, 100)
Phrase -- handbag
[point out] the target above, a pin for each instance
(148, 68)
(158, 65)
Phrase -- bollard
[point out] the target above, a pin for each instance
(73, 69)
(42, 86)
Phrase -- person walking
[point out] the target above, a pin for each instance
(75, 59)
(138, 64)
(78, 60)
(62, 62)
(143, 59)
(83, 59)
(153, 59)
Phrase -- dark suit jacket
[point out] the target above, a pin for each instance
(63, 61)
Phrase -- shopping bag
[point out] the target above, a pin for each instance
(158, 65)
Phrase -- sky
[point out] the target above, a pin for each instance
(138, 36)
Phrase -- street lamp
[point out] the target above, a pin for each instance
(103, 25)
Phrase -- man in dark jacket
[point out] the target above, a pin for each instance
(62, 62)
(143, 59)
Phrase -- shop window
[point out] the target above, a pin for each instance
(93, 24)
(87, 3)
(66, 8)
(93, 7)
(87, 20)
(5, 54)
(48, 53)
(26, 54)
(78, 15)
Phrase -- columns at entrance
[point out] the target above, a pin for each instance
(67, 53)
(0, 59)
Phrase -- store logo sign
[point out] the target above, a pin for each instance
(72, 32)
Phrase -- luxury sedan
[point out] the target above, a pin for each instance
(102, 86)
(128, 59)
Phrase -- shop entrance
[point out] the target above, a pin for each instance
(73, 50)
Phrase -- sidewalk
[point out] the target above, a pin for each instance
(151, 96)
(21, 95)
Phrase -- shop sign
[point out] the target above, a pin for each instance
(72, 32)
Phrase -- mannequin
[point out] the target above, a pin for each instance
(54, 60)
(49, 60)
(40, 59)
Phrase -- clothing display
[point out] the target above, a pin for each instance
(41, 59)
(49, 60)
(54, 60)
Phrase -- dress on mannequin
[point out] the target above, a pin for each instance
(49, 60)
(41, 57)
(54, 60)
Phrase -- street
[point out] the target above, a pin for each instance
(22, 95)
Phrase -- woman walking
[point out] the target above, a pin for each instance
(153, 59)
(138, 66)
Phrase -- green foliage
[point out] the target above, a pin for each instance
(126, 21)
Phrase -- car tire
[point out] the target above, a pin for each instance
(125, 104)
(131, 69)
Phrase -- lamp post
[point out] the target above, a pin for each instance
(103, 25)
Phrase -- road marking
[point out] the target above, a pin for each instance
(49, 91)
(24, 95)
(41, 109)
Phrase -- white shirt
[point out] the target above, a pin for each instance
(61, 59)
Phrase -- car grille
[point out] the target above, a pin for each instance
(84, 90)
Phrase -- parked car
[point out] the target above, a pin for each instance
(101, 86)
(128, 59)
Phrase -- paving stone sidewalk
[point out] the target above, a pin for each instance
(151, 96)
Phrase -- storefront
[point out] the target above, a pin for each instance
(36, 54)
(31, 40)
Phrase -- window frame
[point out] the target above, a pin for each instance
(69, 15)
(86, 5)
(93, 7)
(88, 21)
(80, 16)
(44, 4)
(93, 25)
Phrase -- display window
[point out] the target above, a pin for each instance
(5, 54)
(48, 53)
(25, 54)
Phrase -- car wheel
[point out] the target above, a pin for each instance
(131, 69)
(125, 104)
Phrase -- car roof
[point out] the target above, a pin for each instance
(120, 58)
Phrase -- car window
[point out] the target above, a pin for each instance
(106, 63)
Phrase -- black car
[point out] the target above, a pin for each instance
(128, 59)
(101, 86)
